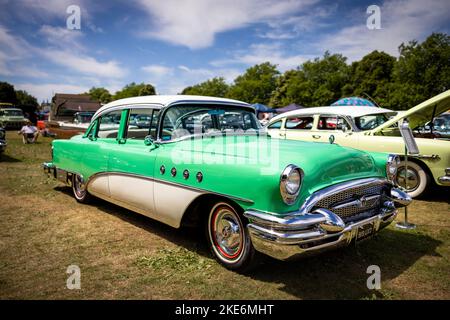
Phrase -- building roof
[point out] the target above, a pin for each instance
(352, 111)
(75, 102)
(165, 100)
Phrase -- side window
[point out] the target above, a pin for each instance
(299, 123)
(109, 125)
(141, 123)
(275, 125)
(332, 123)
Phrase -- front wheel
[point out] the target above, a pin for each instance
(416, 181)
(228, 237)
(79, 189)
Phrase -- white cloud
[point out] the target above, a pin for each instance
(260, 53)
(85, 64)
(47, 90)
(194, 23)
(157, 70)
(62, 37)
(401, 21)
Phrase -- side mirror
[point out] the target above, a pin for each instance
(148, 140)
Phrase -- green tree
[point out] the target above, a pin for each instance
(147, 90)
(256, 84)
(422, 69)
(314, 83)
(215, 87)
(26, 99)
(7, 93)
(100, 94)
(133, 90)
(371, 75)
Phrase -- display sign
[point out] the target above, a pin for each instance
(408, 138)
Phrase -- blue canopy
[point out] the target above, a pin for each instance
(287, 108)
(262, 108)
(353, 101)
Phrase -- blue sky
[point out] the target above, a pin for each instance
(172, 44)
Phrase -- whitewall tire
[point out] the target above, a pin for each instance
(228, 237)
(79, 189)
(417, 178)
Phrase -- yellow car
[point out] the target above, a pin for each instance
(375, 129)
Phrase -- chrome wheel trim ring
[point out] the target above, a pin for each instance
(413, 179)
(78, 187)
(226, 233)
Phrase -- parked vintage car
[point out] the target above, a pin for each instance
(438, 128)
(206, 161)
(3, 143)
(11, 118)
(375, 129)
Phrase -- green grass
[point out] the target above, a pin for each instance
(128, 256)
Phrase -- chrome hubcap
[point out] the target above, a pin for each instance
(412, 179)
(227, 233)
(79, 186)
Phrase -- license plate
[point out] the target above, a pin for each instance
(364, 231)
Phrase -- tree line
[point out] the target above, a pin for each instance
(421, 71)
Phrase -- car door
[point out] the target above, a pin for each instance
(336, 126)
(299, 127)
(131, 162)
(276, 129)
(100, 139)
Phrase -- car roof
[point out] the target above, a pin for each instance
(352, 111)
(160, 101)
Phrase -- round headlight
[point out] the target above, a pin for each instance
(392, 165)
(290, 183)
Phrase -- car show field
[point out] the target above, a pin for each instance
(122, 254)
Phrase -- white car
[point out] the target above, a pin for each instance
(375, 129)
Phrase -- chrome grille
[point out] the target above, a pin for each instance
(352, 202)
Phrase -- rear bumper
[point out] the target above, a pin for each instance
(300, 234)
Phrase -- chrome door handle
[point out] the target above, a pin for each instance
(282, 134)
(315, 136)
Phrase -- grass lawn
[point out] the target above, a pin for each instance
(123, 255)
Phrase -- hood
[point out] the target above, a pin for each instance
(421, 113)
(322, 163)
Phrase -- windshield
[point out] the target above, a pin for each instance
(369, 122)
(12, 113)
(182, 121)
(84, 117)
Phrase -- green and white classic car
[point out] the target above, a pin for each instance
(206, 161)
(375, 129)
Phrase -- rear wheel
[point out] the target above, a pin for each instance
(228, 237)
(79, 189)
(416, 181)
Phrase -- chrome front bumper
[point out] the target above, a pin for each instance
(300, 234)
(445, 180)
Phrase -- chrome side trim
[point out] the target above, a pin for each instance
(168, 183)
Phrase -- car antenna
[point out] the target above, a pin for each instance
(371, 99)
